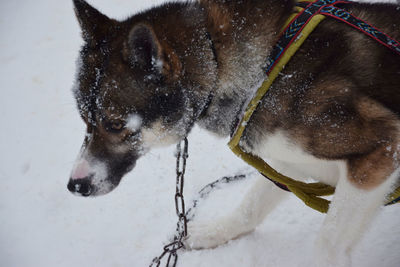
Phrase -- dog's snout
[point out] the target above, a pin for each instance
(80, 186)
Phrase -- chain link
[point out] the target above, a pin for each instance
(181, 226)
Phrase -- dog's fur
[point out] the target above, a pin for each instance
(145, 81)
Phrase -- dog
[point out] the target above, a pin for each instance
(332, 114)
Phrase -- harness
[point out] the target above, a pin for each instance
(297, 28)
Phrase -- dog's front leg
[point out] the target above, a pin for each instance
(258, 202)
(350, 213)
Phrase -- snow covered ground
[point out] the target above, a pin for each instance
(42, 224)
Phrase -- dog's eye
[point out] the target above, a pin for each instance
(117, 126)
(114, 126)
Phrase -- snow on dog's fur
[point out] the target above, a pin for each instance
(333, 114)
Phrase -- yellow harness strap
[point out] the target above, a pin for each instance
(309, 193)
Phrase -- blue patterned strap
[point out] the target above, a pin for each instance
(340, 14)
(291, 32)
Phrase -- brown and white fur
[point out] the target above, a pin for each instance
(144, 82)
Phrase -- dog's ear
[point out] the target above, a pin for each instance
(145, 50)
(151, 55)
(94, 24)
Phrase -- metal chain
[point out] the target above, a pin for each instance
(206, 190)
(183, 217)
(181, 226)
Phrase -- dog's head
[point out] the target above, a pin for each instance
(129, 95)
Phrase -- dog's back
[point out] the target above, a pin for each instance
(372, 67)
(333, 47)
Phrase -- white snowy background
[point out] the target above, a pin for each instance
(42, 224)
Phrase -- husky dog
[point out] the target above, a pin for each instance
(332, 114)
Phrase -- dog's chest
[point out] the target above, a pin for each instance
(291, 159)
(278, 146)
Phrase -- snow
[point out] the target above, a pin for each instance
(134, 122)
(42, 224)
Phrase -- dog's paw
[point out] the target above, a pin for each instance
(207, 235)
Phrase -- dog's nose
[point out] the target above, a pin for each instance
(80, 186)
